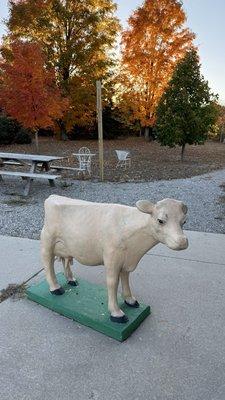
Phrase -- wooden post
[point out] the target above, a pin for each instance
(100, 129)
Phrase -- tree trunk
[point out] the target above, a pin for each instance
(147, 138)
(36, 142)
(182, 152)
(62, 130)
(66, 73)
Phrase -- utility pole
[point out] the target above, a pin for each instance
(100, 129)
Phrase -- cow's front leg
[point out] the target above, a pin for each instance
(112, 278)
(48, 258)
(127, 295)
(67, 262)
(55, 288)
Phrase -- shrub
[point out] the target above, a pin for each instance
(7, 130)
(22, 137)
(11, 132)
(46, 132)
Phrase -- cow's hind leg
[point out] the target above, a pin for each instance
(67, 262)
(112, 278)
(48, 258)
(127, 295)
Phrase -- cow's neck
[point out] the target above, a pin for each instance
(147, 241)
(139, 237)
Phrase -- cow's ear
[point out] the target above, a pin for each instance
(145, 206)
(184, 208)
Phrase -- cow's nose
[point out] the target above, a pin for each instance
(184, 243)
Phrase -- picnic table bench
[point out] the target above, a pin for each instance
(29, 177)
(32, 161)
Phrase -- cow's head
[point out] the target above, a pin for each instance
(167, 219)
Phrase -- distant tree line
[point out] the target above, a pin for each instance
(55, 51)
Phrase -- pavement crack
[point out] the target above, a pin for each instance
(186, 259)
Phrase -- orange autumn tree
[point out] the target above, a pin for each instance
(153, 43)
(28, 91)
(77, 37)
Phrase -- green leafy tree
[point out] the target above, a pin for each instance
(187, 109)
(221, 122)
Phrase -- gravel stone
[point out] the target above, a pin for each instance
(204, 195)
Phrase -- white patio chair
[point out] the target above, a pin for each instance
(124, 159)
(84, 158)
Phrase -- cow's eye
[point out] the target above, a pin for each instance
(183, 223)
(161, 222)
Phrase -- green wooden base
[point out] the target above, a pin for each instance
(87, 304)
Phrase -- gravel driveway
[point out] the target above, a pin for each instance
(204, 195)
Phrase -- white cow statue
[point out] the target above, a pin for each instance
(112, 235)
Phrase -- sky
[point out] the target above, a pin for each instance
(205, 18)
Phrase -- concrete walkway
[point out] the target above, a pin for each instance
(178, 353)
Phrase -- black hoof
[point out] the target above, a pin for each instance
(58, 292)
(135, 305)
(120, 320)
(72, 283)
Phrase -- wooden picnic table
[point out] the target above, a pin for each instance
(33, 161)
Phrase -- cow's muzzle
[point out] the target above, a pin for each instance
(179, 244)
